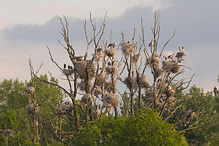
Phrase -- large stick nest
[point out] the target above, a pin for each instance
(143, 81)
(31, 109)
(112, 99)
(171, 66)
(63, 108)
(96, 114)
(154, 61)
(167, 65)
(29, 90)
(189, 114)
(110, 52)
(131, 82)
(82, 85)
(108, 86)
(157, 72)
(175, 68)
(134, 58)
(101, 79)
(169, 92)
(80, 66)
(84, 67)
(68, 72)
(86, 99)
(112, 69)
(8, 132)
(128, 48)
(97, 91)
(99, 55)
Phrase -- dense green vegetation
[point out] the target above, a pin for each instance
(145, 128)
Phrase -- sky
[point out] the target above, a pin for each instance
(27, 27)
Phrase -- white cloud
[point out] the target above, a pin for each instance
(38, 12)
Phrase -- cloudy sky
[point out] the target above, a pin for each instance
(27, 27)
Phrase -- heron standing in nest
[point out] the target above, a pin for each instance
(112, 45)
(171, 56)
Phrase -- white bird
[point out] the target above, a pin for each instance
(180, 48)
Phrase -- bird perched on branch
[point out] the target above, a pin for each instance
(99, 49)
(180, 48)
(183, 49)
(133, 40)
(151, 43)
(112, 45)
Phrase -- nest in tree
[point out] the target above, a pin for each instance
(111, 69)
(101, 79)
(58, 110)
(131, 83)
(150, 99)
(90, 69)
(111, 99)
(157, 72)
(171, 101)
(167, 65)
(80, 66)
(189, 114)
(68, 72)
(99, 55)
(82, 85)
(86, 99)
(134, 58)
(180, 55)
(29, 90)
(30, 108)
(97, 91)
(108, 86)
(67, 108)
(63, 107)
(128, 48)
(175, 68)
(143, 81)
(8, 132)
(171, 66)
(160, 104)
(96, 114)
(110, 52)
(169, 92)
(154, 61)
(149, 94)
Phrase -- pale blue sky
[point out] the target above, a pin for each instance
(27, 27)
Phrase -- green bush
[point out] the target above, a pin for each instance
(145, 129)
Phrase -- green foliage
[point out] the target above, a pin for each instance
(13, 114)
(145, 129)
(202, 127)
